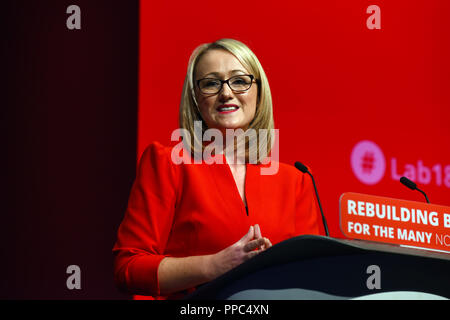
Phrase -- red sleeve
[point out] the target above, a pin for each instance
(143, 233)
(308, 214)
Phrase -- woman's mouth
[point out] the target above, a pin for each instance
(227, 108)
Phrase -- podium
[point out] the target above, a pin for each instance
(322, 268)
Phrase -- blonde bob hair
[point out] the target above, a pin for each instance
(263, 119)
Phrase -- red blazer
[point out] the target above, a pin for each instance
(195, 209)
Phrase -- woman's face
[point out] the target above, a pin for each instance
(225, 109)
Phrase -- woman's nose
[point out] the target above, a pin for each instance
(226, 93)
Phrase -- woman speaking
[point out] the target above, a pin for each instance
(188, 222)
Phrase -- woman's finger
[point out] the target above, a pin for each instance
(254, 244)
(267, 243)
(258, 234)
(257, 231)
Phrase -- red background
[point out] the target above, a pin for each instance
(334, 82)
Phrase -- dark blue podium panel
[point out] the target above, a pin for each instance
(315, 267)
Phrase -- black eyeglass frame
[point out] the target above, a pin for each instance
(252, 79)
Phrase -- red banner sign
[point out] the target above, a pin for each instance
(389, 220)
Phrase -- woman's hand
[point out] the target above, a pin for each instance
(176, 274)
(246, 248)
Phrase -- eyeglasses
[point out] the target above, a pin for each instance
(240, 83)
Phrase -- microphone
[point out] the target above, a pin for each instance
(300, 166)
(412, 186)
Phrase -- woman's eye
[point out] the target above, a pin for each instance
(211, 83)
(238, 81)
